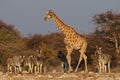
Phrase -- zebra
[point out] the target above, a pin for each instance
(29, 62)
(15, 64)
(10, 65)
(38, 61)
(38, 64)
(103, 60)
(34, 64)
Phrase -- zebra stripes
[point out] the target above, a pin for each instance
(17, 64)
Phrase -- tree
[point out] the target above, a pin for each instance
(34, 41)
(108, 25)
(8, 33)
(9, 36)
(55, 40)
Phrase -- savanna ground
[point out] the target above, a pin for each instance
(54, 75)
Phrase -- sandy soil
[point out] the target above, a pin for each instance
(60, 76)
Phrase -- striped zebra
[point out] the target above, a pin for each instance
(29, 62)
(103, 60)
(14, 64)
(38, 59)
(38, 64)
(10, 65)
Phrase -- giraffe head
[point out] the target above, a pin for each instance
(49, 15)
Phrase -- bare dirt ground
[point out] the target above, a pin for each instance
(60, 76)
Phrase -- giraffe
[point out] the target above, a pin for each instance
(72, 40)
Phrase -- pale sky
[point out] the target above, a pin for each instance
(28, 15)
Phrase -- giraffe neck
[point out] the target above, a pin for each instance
(62, 26)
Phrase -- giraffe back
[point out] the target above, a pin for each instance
(75, 40)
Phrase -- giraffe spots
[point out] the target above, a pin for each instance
(72, 39)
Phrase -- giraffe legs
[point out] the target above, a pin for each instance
(82, 56)
(69, 63)
(80, 59)
(69, 59)
(109, 67)
(85, 59)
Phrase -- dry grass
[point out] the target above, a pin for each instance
(61, 76)
(56, 75)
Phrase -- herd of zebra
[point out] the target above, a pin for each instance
(33, 63)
